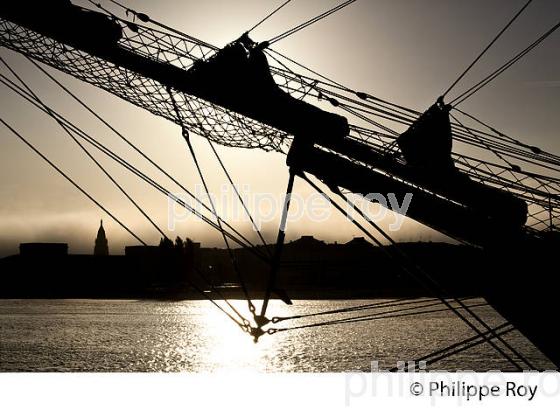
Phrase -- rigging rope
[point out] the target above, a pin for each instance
(536, 150)
(136, 149)
(310, 22)
(392, 314)
(247, 212)
(69, 179)
(487, 47)
(404, 115)
(364, 96)
(272, 13)
(332, 83)
(496, 153)
(252, 331)
(481, 84)
(84, 149)
(438, 288)
(436, 291)
(232, 257)
(427, 302)
(245, 321)
(407, 117)
(147, 19)
(376, 305)
(458, 347)
(244, 324)
(128, 166)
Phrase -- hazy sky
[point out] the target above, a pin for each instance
(407, 51)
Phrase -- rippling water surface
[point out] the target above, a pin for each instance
(194, 336)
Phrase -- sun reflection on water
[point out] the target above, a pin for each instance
(194, 336)
(225, 345)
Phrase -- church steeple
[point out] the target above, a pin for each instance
(101, 246)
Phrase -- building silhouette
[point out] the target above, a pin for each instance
(101, 245)
(43, 249)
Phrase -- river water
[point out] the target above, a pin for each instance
(194, 336)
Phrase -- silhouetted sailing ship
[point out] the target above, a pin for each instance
(233, 97)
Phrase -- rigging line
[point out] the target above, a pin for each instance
(393, 115)
(34, 149)
(487, 47)
(314, 84)
(304, 67)
(492, 335)
(469, 137)
(533, 195)
(269, 15)
(84, 149)
(147, 19)
(239, 196)
(135, 148)
(376, 305)
(463, 345)
(126, 165)
(499, 136)
(437, 286)
(433, 281)
(332, 83)
(463, 134)
(371, 122)
(112, 155)
(61, 172)
(346, 107)
(288, 79)
(221, 295)
(230, 252)
(50, 112)
(232, 257)
(522, 156)
(374, 316)
(477, 87)
(534, 149)
(474, 89)
(245, 323)
(424, 303)
(242, 324)
(408, 271)
(503, 145)
(496, 153)
(352, 109)
(310, 22)
(498, 141)
(485, 139)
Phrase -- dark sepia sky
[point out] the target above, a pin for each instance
(407, 51)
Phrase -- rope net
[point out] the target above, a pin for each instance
(376, 126)
(206, 119)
